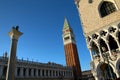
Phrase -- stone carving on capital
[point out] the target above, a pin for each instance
(16, 28)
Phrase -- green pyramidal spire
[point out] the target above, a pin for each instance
(66, 24)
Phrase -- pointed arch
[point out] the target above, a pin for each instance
(112, 43)
(102, 44)
(94, 48)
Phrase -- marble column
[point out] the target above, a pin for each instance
(21, 72)
(98, 45)
(36, 73)
(41, 72)
(90, 49)
(26, 73)
(14, 35)
(44, 73)
(32, 72)
(117, 40)
(51, 73)
(48, 73)
(107, 43)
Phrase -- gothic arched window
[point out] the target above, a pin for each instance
(107, 8)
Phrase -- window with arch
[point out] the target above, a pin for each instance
(107, 8)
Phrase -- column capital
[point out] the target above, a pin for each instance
(15, 34)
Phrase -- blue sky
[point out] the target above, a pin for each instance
(41, 22)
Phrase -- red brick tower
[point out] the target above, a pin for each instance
(71, 53)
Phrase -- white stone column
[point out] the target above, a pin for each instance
(99, 50)
(1, 71)
(107, 43)
(55, 72)
(48, 73)
(58, 73)
(44, 72)
(116, 39)
(26, 74)
(32, 72)
(96, 77)
(21, 72)
(51, 73)
(36, 72)
(89, 47)
(118, 73)
(41, 72)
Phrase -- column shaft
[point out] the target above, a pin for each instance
(26, 72)
(21, 72)
(36, 72)
(12, 61)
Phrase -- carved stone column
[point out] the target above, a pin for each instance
(89, 47)
(107, 43)
(117, 43)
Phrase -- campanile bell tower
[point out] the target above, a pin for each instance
(71, 53)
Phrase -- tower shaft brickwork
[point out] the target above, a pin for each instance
(71, 53)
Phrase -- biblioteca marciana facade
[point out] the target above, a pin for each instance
(30, 70)
(101, 25)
